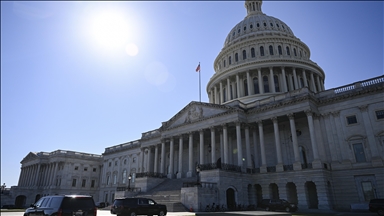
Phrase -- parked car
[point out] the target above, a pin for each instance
(278, 204)
(137, 206)
(377, 205)
(63, 205)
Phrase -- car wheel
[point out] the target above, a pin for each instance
(161, 213)
(132, 214)
(287, 209)
(266, 208)
(380, 212)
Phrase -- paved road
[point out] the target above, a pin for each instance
(246, 213)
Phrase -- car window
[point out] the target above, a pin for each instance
(45, 202)
(151, 202)
(78, 202)
(143, 202)
(55, 202)
(38, 203)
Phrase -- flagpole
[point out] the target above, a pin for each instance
(199, 83)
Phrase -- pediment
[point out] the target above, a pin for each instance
(30, 156)
(196, 111)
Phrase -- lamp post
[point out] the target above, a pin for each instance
(3, 188)
(197, 174)
(129, 182)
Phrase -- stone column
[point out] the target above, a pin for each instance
(375, 153)
(313, 83)
(180, 172)
(201, 134)
(284, 80)
(249, 85)
(263, 168)
(190, 159)
(248, 147)
(238, 86)
(19, 183)
(215, 92)
(141, 163)
(341, 138)
(318, 83)
(149, 159)
(239, 145)
(279, 166)
(213, 145)
(261, 86)
(225, 137)
(316, 163)
(295, 78)
(305, 79)
(221, 146)
(162, 162)
(290, 83)
(171, 156)
(156, 159)
(273, 88)
(36, 181)
(228, 90)
(221, 93)
(255, 149)
(297, 163)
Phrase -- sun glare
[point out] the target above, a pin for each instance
(110, 29)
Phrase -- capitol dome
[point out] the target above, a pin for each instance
(261, 58)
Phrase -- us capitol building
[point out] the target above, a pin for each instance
(269, 130)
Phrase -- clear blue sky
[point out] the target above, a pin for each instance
(68, 80)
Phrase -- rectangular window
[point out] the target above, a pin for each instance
(83, 183)
(94, 169)
(351, 120)
(73, 182)
(93, 183)
(367, 190)
(359, 152)
(380, 114)
(76, 168)
(85, 168)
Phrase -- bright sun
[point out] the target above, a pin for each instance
(111, 30)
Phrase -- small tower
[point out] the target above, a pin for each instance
(253, 7)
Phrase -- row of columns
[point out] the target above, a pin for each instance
(38, 175)
(225, 147)
(216, 94)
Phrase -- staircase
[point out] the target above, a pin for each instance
(168, 193)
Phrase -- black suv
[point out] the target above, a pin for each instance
(377, 205)
(63, 205)
(137, 206)
(277, 204)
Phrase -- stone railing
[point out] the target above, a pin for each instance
(132, 189)
(151, 175)
(123, 146)
(348, 88)
(200, 184)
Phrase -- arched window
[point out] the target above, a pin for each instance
(270, 50)
(266, 84)
(265, 24)
(294, 51)
(236, 57)
(253, 52)
(231, 91)
(301, 55)
(276, 81)
(245, 87)
(224, 63)
(244, 54)
(258, 25)
(124, 176)
(230, 60)
(114, 178)
(256, 85)
(286, 79)
(108, 179)
(262, 51)
(280, 50)
(288, 52)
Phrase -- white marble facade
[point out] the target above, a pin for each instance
(269, 130)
